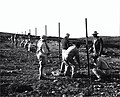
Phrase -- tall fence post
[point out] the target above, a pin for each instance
(30, 31)
(87, 50)
(35, 31)
(59, 39)
(46, 30)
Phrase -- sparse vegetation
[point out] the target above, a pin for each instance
(19, 74)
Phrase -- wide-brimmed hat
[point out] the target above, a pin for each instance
(95, 33)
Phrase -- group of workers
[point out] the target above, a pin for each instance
(70, 56)
(20, 41)
(14, 40)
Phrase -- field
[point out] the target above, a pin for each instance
(19, 75)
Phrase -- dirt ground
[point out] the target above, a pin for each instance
(19, 76)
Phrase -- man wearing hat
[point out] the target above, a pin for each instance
(97, 46)
(65, 45)
(42, 53)
(96, 49)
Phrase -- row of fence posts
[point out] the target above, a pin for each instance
(35, 31)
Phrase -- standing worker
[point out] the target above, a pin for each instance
(16, 40)
(29, 36)
(42, 53)
(97, 46)
(12, 39)
(65, 45)
(29, 42)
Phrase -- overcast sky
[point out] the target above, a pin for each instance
(22, 15)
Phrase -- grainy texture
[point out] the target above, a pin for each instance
(19, 75)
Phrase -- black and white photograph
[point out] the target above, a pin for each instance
(59, 48)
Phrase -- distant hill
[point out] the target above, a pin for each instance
(109, 41)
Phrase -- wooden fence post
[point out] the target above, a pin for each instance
(87, 49)
(35, 31)
(46, 30)
(59, 40)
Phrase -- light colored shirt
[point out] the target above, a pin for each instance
(72, 51)
(94, 50)
(41, 48)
